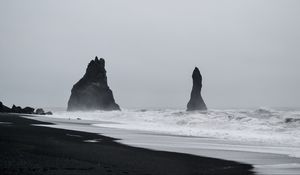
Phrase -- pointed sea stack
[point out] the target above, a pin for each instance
(196, 102)
(91, 92)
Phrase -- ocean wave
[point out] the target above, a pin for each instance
(259, 126)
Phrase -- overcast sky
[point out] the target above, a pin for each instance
(247, 51)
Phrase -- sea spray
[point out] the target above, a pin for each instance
(259, 126)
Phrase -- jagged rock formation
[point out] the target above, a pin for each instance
(4, 108)
(196, 102)
(91, 92)
(19, 109)
(40, 111)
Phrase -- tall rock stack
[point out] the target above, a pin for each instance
(196, 102)
(91, 92)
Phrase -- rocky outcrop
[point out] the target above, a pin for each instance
(19, 109)
(49, 113)
(16, 109)
(28, 110)
(91, 92)
(40, 111)
(196, 102)
(4, 108)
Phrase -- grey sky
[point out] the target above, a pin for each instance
(247, 51)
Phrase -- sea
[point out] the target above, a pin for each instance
(261, 126)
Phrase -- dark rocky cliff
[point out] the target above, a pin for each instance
(91, 92)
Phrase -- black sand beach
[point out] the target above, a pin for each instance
(27, 149)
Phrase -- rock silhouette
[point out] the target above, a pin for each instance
(40, 111)
(19, 109)
(28, 110)
(91, 92)
(16, 109)
(196, 102)
(4, 108)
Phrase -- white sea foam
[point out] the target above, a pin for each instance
(261, 126)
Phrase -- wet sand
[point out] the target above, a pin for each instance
(30, 149)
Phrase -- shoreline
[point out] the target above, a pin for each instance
(96, 126)
(45, 150)
(266, 160)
